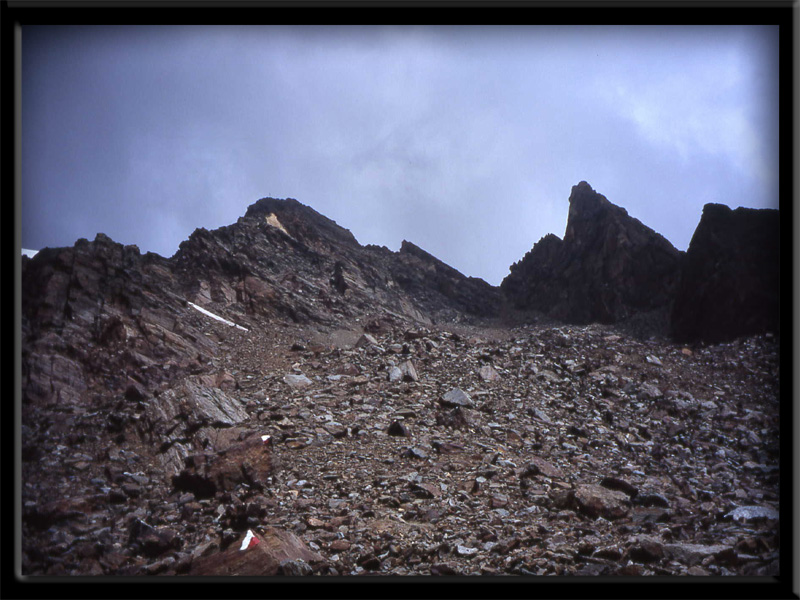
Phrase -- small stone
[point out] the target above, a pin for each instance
(297, 382)
(596, 501)
(466, 551)
(457, 398)
(488, 373)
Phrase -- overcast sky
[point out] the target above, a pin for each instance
(463, 140)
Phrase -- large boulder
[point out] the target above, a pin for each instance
(730, 280)
(257, 554)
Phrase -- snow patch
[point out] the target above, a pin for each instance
(29, 253)
(217, 317)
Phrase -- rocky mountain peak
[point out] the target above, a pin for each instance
(298, 220)
(278, 399)
(608, 267)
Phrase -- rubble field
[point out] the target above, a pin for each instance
(409, 450)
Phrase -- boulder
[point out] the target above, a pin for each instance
(262, 555)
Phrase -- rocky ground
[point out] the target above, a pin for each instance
(400, 450)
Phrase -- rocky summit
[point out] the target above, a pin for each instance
(608, 268)
(277, 399)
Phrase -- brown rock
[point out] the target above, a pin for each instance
(597, 501)
(258, 559)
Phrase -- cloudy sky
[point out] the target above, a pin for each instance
(463, 140)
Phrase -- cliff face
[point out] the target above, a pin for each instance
(730, 281)
(608, 267)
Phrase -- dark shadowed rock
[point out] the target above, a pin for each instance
(730, 281)
(608, 267)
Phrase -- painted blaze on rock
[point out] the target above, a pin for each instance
(274, 547)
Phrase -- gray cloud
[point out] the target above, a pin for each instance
(465, 141)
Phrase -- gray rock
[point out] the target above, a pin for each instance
(752, 513)
(457, 398)
(488, 373)
(692, 554)
(297, 382)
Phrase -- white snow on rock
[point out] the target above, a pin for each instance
(29, 253)
(217, 317)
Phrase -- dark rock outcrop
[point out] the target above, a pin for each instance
(730, 281)
(608, 267)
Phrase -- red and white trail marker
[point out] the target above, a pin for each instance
(249, 541)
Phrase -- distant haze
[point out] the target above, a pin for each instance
(465, 141)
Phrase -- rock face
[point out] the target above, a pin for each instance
(336, 409)
(283, 259)
(608, 267)
(730, 281)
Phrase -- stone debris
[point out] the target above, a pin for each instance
(376, 418)
(526, 476)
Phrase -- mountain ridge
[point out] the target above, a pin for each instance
(276, 398)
